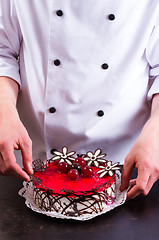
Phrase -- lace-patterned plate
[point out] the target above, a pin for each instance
(27, 193)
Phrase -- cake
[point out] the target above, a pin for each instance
(75, 185)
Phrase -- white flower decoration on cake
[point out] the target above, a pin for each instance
(95, 158)
(64, 156)
(108, 169)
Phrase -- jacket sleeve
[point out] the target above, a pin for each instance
(152, 55)
(10, 41)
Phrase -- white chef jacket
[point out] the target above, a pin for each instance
(87, 70)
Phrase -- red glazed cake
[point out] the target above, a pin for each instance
(75, 186)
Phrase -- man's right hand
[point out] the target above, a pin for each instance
(13, 134)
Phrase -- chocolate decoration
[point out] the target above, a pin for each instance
(109, 169)
(95, 159)
(39, 165)
(72, 206)
(64, 156)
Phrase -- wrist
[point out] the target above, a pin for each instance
(8, 91)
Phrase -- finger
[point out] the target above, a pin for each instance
(126, 174)
(16, 171)
(150, 183)
(132, 183)
(141, 185)
(26, 150)
(134, 192)
(10, 167)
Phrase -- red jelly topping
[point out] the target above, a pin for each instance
(53, 179)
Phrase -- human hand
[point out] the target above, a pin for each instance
(13, 135)
(144, 156)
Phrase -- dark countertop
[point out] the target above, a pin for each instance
(135, 220)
